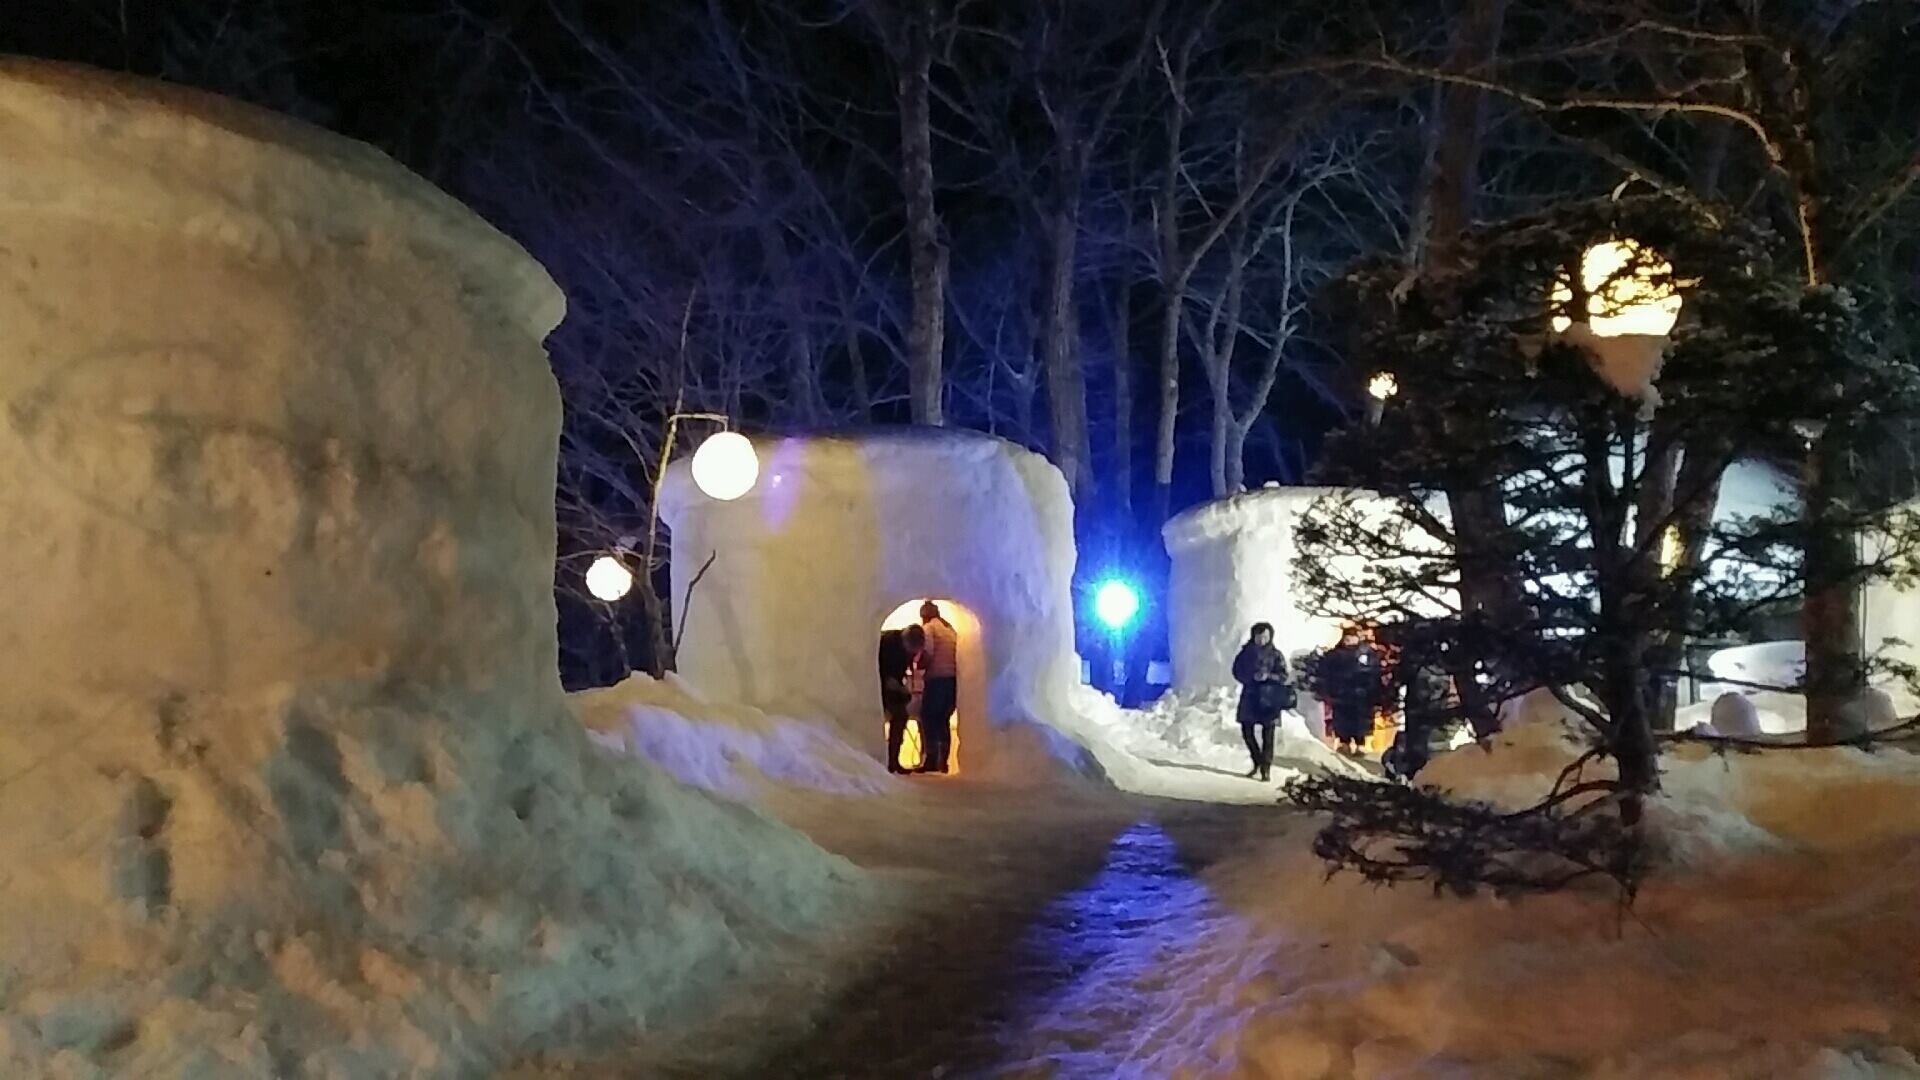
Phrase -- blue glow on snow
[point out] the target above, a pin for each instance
(1157, 965)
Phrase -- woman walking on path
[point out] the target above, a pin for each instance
(1266, 691)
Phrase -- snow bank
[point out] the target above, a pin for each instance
(730, 750)
(1777, 940)
(1775, 966)
(1713, 800)
(287, 781)
(840, 531)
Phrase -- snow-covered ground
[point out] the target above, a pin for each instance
(1187, 745)
(1777, 939)
(1184, 746)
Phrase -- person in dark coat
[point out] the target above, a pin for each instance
(1266, 690)
(1350, 676)
(1431, 719)
(898, 650)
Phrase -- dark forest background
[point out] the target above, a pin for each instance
(1109, 230)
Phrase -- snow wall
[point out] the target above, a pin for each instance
(286, 773)
(1890, 614)
(1232, 566)
(840, 530)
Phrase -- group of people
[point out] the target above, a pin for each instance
(926, 653)
(1354, 682)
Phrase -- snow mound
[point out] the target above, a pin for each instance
(287, 781)
(1714, 801)
(1777, 940)
(1629, 363)
(1745, 714)
(730, 750)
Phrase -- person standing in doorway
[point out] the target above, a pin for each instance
(941, 662)
(1266, 691)
(898, 650)
(1350, 673)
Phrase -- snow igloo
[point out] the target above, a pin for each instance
(286, 773)
(845, 534)
(1232, 566)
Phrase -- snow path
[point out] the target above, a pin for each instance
(1043, 928)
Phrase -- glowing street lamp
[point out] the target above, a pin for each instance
(1630, 291)
(1115, 603)
(608, 579)
(1379, 388)
(726, 467)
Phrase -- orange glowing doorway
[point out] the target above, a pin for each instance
(966, 626)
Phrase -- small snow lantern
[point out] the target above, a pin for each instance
(726, 466)
(609, 579)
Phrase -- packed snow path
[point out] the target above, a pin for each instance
(1038, 927)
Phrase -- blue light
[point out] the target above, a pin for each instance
(1116, 604)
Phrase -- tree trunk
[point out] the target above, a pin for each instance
(928, 258)
(1121, 347)
(659, 642)
(862, 392)
(1453, 147)
(1830, 614)
(1237, 456)
(1217, 434)
(1696, 494)
(803, 378)
(1066, 380)
(1169, 398)
(1452, 177)
(1652, 513)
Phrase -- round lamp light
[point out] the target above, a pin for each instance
(725, 467)
(1630, 291)
(1115, 603)
(1383, 386)
(609, 579)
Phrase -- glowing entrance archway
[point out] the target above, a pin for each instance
(972, 659)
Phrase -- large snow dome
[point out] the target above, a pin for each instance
(286, 773)
(839, 533)
(1232, 566)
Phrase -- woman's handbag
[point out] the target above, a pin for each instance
(1277, 697)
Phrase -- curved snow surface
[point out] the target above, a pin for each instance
(288, 785)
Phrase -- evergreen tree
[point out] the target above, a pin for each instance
(1607, 452)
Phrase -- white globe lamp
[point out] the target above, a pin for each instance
(1630, 292)
(608, 579)
(726, 467)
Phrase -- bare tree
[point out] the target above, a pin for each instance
(1250, 315)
